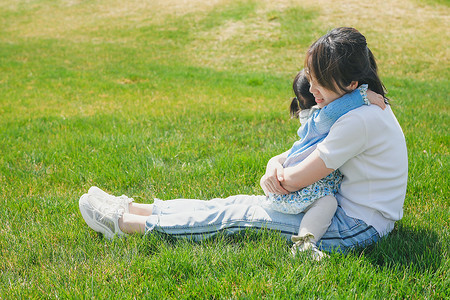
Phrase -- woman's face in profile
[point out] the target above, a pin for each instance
(322, 95)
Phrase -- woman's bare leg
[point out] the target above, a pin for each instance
(140, 209)
(131, 223)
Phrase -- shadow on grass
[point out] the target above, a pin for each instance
(418, 250)
(404, 247)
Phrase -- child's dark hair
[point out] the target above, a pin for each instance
(340, 57)
(303, 98)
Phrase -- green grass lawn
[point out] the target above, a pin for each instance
(190, 99)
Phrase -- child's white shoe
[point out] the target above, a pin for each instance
(304, 243)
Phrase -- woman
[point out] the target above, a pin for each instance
(366, 144)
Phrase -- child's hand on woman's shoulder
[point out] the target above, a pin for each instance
(376, 99)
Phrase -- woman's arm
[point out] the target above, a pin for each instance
(305, 173)
(270, 181)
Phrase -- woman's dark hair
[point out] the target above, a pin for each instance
(303, 98)
(340, 57)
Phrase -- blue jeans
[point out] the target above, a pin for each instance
(199, 219)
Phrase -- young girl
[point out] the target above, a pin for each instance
(317, 201)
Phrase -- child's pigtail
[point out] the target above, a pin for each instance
(295, 108)
(303, 98)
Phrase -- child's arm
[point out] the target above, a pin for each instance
(346, 103)
(360, 96)
(339, 107)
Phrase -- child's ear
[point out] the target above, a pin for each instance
(353, 85)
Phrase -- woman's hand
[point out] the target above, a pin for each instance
(271, 181)
(376, 99)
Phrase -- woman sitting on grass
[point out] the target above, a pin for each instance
(366, 144)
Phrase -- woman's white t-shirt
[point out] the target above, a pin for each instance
(368, 146)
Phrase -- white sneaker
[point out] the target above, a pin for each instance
(303, 244)
(122, 201)
(100, 216)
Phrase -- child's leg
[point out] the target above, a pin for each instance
(318, 218)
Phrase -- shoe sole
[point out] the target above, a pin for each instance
(87, 212)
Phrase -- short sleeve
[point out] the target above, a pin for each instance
(347, 139)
